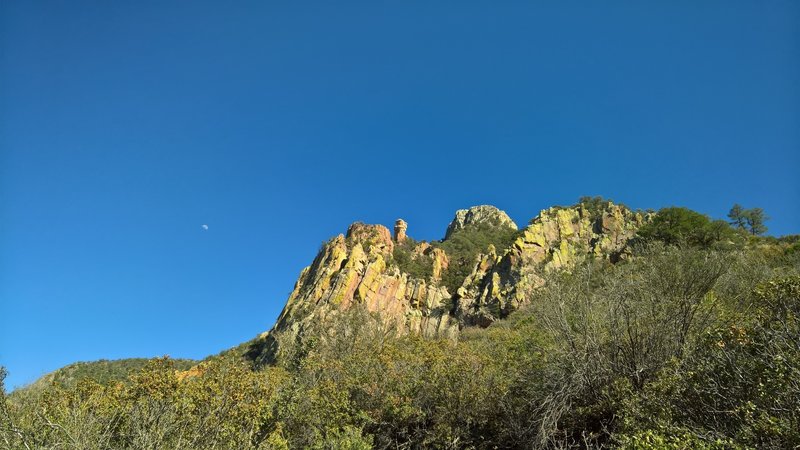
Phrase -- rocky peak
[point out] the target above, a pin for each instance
(360, 269)
(483, 214)
(370, 236)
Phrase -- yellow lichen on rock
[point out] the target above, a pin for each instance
(557, 239)
(440, 263)
(354, 269)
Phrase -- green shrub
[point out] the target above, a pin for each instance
(672, 440)
(596, 205)
(739, 383)
(682, 226)
(463, 247)
(416, 266)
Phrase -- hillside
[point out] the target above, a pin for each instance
(593, 326)
(102, 371)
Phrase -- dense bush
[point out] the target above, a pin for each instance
(682, 226)
(415, 265)
(106, 371)
(220, 405)
(596, 205)
(463, 247)
(741, 383)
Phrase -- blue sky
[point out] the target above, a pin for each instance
(126, 126)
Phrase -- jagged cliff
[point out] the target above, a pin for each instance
(360, 268)
(558, 238)
(353, 269)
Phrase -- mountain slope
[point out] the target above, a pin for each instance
(102, 371)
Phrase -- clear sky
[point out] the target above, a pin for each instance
(126, 126)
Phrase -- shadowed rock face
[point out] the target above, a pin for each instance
(357, 269)
(484, 214)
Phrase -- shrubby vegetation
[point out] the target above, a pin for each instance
(688, 344)
(741, 383)
(221, 405)
(416, 266)
(682, 226)
(596, 205)
(463, 247)
(104, 371)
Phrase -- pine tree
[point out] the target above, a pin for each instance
(755, 219)
(737, 217)
(752, 220)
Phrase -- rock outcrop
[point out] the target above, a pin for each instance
(440, 263)
(352, 270)
(557, 239)
(357, 269)
(400, 227)
(483, 214)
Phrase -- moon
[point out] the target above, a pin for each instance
(205, 227)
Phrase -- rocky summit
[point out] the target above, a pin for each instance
(483, 214)
(365, 267)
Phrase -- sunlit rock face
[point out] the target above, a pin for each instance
(400, 227)
(557, 239)
(358, 269)
(483, 214)
(352, 270)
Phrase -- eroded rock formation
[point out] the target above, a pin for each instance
(483, 214)
(357, 268)
(400, 227)
(351, 270)
(558, 238)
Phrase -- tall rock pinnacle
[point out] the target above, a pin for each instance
(400, 227)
